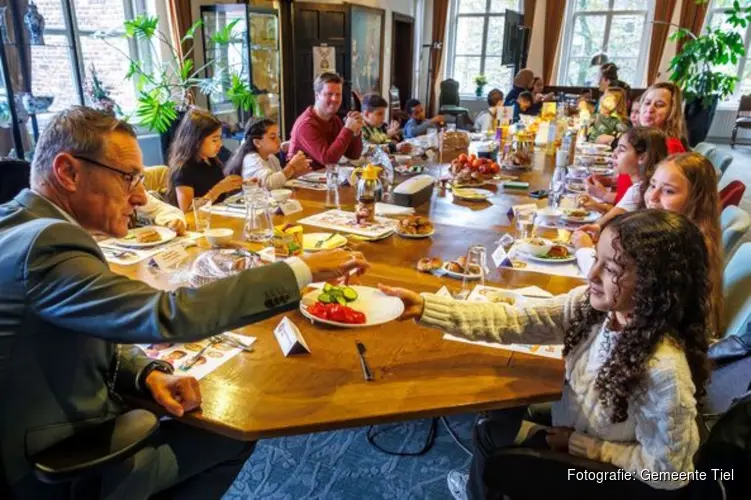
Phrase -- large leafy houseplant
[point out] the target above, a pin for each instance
(697, 68)
(166, 88)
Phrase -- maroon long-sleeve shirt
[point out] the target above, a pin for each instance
(323, 142)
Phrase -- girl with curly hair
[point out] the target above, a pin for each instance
(685, 183)
(635, 352)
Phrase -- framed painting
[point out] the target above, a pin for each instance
(367, 49)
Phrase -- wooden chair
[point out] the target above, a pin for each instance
(742, 118)
(156, 178)
(14, 177)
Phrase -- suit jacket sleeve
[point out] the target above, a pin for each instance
(69, 285)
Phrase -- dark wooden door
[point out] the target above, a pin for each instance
(402, 55)
(315, 25)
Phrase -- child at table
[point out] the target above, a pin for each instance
(635, 353)
(610, 121)
(256, 158)
(417, 124)
(375, 131)
(487, 119)
(637, 154)
(195, 170)
(685, 183)
(634, 115)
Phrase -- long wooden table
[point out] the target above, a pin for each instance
(417, 374)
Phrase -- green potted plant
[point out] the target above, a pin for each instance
(165, 90)
(697, 68)
(480, 81)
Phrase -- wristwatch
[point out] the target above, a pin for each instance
(158, 365)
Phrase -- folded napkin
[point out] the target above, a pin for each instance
(389, 209)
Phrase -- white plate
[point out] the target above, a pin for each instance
(416, 236)
(459, 276)
(317, 177)
(378, 307)
(238, 201)
(575, 187)
(535, 258)
(591, 217)
(309, 241)
(472, 194)
(165, 233)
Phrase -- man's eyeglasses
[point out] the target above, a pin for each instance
(133, 180)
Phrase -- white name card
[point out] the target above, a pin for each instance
(444, 292)
(290, 207)
(170, 258)
(500, 257)
(289, 338)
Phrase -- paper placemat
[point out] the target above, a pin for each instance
(126, 256)
(212, 358)
(389, 209)
(342, 221)
(524, 263)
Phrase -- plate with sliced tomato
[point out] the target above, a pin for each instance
(350, 306)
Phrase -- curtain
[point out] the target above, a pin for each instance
(663, 14)
(180, 19)
(529, 13)
(18, 58)
(554, 12)
(440, 12)
(692, 18)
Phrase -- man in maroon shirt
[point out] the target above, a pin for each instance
(322, 135)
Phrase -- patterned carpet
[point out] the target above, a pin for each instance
(342, 465)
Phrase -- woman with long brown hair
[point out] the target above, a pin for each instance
(195, 170)
(635, 352)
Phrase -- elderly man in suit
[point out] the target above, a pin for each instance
(65, 317)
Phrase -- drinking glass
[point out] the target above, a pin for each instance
(332, 186)
(525, 224)
(202, 214)
(476, 262)
(451, 127)
(259, 226)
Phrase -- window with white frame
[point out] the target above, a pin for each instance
(717, 15)
(616, 28)
(476, 38)
(53, 71)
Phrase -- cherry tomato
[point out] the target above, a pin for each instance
(462, 158)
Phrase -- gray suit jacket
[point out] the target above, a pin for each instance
(63, 312)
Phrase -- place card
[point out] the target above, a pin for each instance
(170, 258)
(290, 207)
(289, 338)
(444, 292)
(507, 116)
(500, 257)
(267, 255)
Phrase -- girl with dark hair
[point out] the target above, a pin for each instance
(635, 352)
(195, 170)
(637, 154)
(256, 158)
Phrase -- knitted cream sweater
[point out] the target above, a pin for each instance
(660, 434)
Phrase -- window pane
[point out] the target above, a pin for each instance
(465, 71)
(719, 4)
(494, 47)
(52, 11)
(589, 35)
(626, 69)
(469, 36)
(472, 6)
(52, 75)
(625, 36)
(583, 5)
(111, 68)
(581, 73)
(502, 5)
(630, 5)
(498, 76)
(99, 14)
